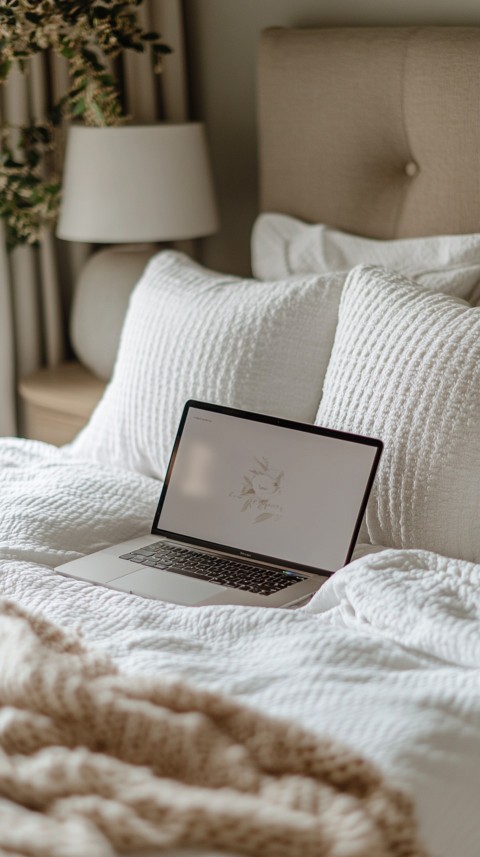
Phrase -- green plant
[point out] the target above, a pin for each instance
(91, 36)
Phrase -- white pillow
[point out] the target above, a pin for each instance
(190, 333)
(405, 367)
(283, 246)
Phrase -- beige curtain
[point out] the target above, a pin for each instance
(36, 284)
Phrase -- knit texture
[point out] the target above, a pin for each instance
(405, 367)
(91, 760)
(193, 334)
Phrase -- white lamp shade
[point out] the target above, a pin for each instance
(137, 183)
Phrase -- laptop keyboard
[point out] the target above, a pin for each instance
(216, 569)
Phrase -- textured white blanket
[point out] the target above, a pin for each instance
(385, 658)
(92, 761)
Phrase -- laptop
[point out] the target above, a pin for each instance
(254, 510)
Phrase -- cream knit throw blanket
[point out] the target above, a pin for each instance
(92, 761)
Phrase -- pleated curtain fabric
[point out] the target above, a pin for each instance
(36, 284)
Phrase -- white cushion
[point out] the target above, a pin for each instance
(283, 246)
(190, 333)
(405, 367)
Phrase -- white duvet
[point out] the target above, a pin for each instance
(386, 657)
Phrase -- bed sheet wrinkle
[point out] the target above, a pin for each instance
(55, 509)
(417, 722)
(422, 600)
(386, 657)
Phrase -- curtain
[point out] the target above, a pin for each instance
(36, 284)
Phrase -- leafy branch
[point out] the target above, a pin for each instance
(91, 36)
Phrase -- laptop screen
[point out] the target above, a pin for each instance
(266, 488)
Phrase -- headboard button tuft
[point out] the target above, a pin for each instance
(412, 169)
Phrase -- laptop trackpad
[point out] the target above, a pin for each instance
(153, 583)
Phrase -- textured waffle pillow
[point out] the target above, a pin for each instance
(190, 333)
(283, 246)
(405, 367)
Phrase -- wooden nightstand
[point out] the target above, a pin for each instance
(56, 403)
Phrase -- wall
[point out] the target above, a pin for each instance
(221, 41)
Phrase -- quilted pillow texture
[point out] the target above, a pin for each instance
(405, 367)
(191, 333)
(283, 246)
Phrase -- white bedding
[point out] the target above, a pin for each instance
(386, 657)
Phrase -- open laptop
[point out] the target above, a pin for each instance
(255, 510)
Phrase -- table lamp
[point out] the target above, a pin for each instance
(128, 185)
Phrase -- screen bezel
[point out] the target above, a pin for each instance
(277, 421)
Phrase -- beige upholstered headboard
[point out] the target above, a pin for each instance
(373, 130)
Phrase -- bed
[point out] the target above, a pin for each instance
(374, 132)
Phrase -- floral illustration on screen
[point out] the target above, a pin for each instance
(261, 491)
